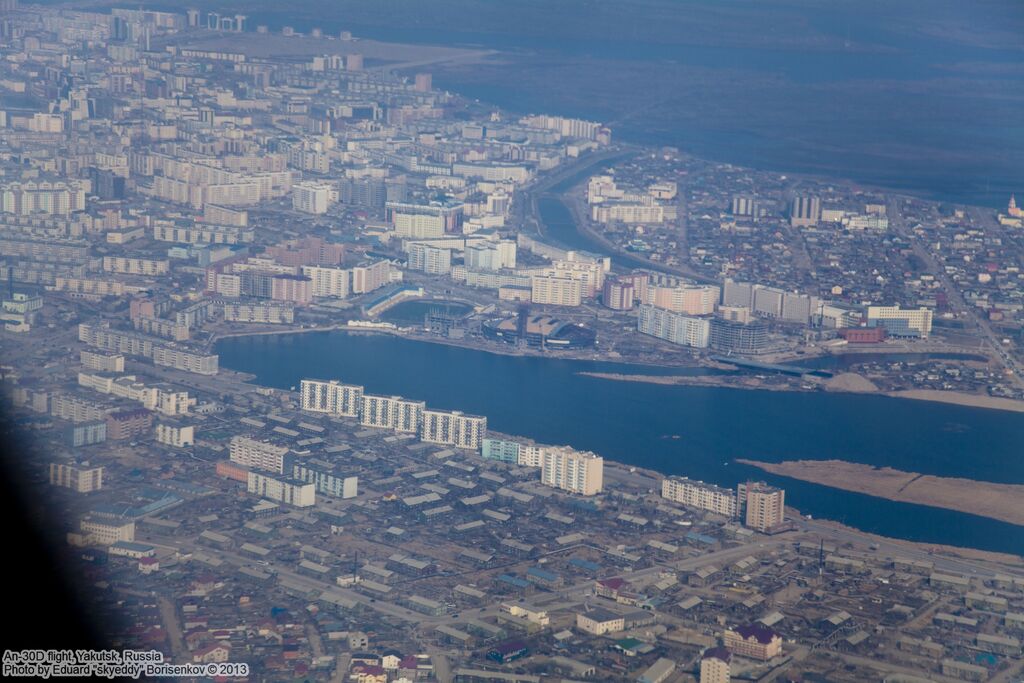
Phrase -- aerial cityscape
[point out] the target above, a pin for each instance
(316, 365)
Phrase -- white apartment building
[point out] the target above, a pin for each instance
(491, 255)
(78, 478)
(152, 398)
(574, 471)
(102, 531)
(901, 322)
(370, 276)
(127, 265)
(177, 436)
(531, 456)
(329, 282)
(258, 454)
(227, 284)
(264, 312)
(101, 362)
(429, 258)
(74, 409)
(453, 428)
(291, 492)
(673, 327)
(310, 197)
(688, 300)
(589, 273)
(418, 225)
(391, 412)
(331, 397)
(556, 291)
(697, 494)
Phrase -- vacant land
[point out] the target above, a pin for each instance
(987, 499)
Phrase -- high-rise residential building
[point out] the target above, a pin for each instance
(531, 456)
(308, 251)
(797, 308)
(423, 82)
(263, 312)
(901, 322)
(295, 288)
(744, 206)
(673, 327)
(369, 276)
(258, 454)
(556, 291)
(755, 641)
(618, 295)
(430, 259)
(86, 433)
(714, 665)
(391, 412)
(289, 491)
(685, 299)
(326, 482)
(491, 255)
(738, 294)
(768, 301)
(804, 211)
(700, 495)
(501, 450)
(310, 197)
(590, 274)
(764, 505)
(453, 428)
(331, 397)
(335, 283)
(128, 424)
(574, 471)
(420, 221)
(733, 336)
(81, 478)
(177, 436)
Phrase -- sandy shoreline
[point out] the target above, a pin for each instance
(1006, 559)
(982, 498)
(951, 397)
(960, 399)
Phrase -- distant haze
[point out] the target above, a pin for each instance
(920, 96)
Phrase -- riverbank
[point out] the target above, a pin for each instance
(845, 385)
(960, 399)
(982, 498)
(839, 384)
(1008, 560)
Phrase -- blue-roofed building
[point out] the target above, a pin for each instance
(701, 538)
(513, 581)
(543, 577)
(585, 565)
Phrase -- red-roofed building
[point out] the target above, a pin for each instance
(862, 335)
(610, 588)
